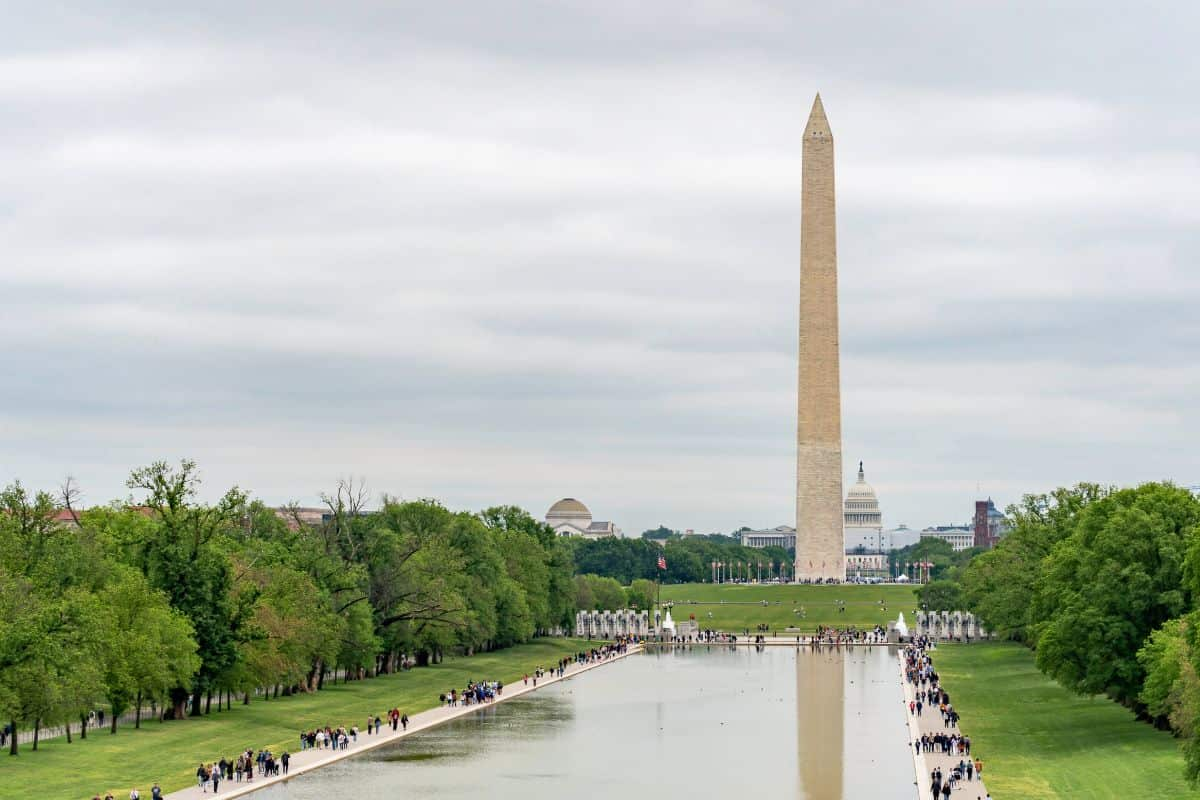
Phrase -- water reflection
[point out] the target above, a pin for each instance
(820, 712)
(679, 723)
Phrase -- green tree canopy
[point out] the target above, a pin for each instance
(1115, 578)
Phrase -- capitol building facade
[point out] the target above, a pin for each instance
(862, 521)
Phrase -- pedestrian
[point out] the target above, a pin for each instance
(134, 795)
(155, 792)
(285, 758)
(404, 721)
(202, 778)
(216, 778)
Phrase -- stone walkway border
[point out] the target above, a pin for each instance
(309, 760)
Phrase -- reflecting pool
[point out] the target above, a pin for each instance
(679, 723)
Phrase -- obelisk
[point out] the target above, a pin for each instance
(820, 539)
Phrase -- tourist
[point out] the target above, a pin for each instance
(134, 794)
(215, 776)
(156, 792)
(404, 721)
(284, 759)
(202, 778)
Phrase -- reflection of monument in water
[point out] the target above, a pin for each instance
(820, 708)
(820, 541)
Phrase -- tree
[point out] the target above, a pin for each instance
(182, 559)
(641, 594)
(998, 585)
(149, 646)
(1105, 587)
(660, 533)
(51, 629)
(1171, 692)
(941, 596)
(596, 593)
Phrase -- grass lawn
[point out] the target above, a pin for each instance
(169, 752)
(736, 607)
(1037, 740)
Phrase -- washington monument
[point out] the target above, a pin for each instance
(820, 540)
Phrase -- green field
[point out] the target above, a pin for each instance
(1037, 740)
(169, 752)
(734, 608)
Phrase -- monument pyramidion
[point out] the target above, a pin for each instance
(820, 539)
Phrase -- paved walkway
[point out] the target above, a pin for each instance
(931, 722)
(309, 760)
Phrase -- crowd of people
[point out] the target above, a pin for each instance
(928, 695)
(473, 694)
(264, 763)
(826, 634)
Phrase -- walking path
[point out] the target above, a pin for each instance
(308, 760)
(930, 722)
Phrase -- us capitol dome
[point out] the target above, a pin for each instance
(861, 509)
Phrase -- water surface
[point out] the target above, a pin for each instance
(674, 724)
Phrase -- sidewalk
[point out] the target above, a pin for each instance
(303, 761)
(931, 722)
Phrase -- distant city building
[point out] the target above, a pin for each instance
(900, 537)
(569, 517)
(783, 536)
(295, 516)
(862, 521)
(990, 525)
(960, 537)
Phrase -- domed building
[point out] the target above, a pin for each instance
(569, 517)
(863, 524)
(861, 509)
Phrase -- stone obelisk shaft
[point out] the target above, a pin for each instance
(820, 540)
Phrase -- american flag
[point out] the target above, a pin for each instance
(662, 562)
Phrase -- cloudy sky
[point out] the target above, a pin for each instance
(510, 252)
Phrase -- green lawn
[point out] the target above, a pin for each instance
(169, 752)
(1037, 740)
(736, 607)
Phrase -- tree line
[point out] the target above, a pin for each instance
(1104, 585)
(689, 558)
(168, 601)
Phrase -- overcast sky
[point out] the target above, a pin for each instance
(509, 252)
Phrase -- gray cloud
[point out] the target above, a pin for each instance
(520, 251)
